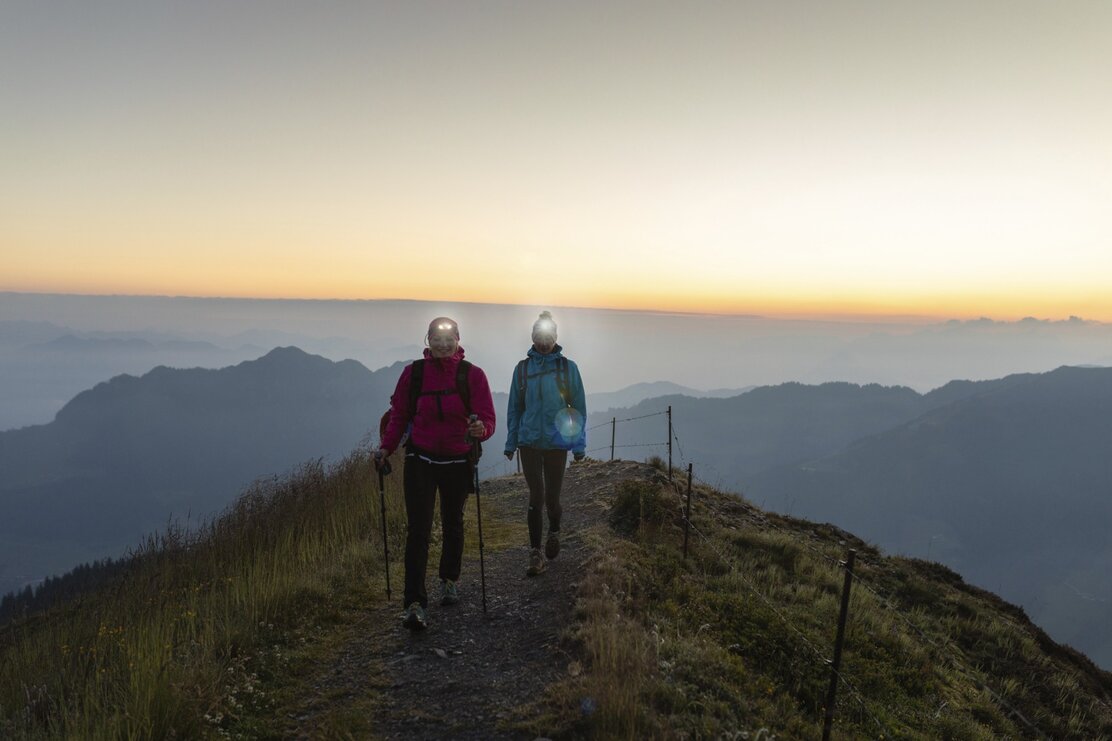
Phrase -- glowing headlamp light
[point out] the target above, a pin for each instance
(545, 329)
(446, 327)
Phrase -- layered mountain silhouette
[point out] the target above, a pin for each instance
(44, 365)
(1007, 481)
(1010, 485)
(736, 438)
(123, 457)
(126, 455)
(638, 392)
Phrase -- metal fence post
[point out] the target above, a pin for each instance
(828, 721)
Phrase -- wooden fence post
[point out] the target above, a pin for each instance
(828, 721)
(613, 429)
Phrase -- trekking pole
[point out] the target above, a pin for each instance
(479, 513)
(383, 469)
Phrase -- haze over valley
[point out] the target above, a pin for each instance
(967, 472)
(55, 346)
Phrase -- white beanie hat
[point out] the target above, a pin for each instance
(544, 326)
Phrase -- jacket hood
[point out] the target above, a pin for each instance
(453, 358)
(557, 351)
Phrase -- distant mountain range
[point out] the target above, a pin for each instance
(124, 456)
(1010, 486)
(1007, 481)
(734, 438)
(638, 392)
(121, 458)
(44, 365)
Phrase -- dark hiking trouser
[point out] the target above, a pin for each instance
(544, 473)
(422, 480)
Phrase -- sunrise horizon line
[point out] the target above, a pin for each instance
(819, 315)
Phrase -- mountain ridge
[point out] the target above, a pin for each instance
(1008, 486)
(631, 633)
(124, 456)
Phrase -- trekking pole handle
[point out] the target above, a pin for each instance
(470, 421)
(383, 465)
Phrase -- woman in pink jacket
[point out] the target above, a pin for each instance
(434, 402)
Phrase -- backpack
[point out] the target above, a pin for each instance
(417, 379)
(563, 380)
(416, 391)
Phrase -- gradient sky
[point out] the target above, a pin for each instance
(934, 158)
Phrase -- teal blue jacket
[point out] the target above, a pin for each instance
(537, 416)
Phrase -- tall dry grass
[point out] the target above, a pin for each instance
(166, 650)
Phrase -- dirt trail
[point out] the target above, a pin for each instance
(463, 676)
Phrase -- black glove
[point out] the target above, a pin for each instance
(578, 456)
(509, 455)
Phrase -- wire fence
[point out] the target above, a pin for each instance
(614, 446)
(945, 651)
(672, 443)
(740, 573)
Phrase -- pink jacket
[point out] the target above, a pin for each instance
(440, 425)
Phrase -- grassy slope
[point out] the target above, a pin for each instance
(220, 634)
(191, 640)
(733, 640)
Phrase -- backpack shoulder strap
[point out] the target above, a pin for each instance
(521, 376)
(416, 381)
(463, 370)
(563, 379)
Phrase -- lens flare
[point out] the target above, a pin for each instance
(569, 423)
(544, 328)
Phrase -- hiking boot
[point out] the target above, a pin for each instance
(552, 545)
(449, 592)
(415, 618)
(536, 563)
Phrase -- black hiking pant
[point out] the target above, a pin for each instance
(544, 473)
(423, 478)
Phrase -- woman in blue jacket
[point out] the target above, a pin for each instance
(544, 420)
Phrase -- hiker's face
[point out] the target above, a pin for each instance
(443, 343)
(544, 343)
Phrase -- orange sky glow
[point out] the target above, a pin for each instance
(702, 158)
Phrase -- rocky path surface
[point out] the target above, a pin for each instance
(463, 677)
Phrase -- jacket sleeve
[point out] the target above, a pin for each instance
(513, 414)
(481, 402)
(399, 413)
(579, 401)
